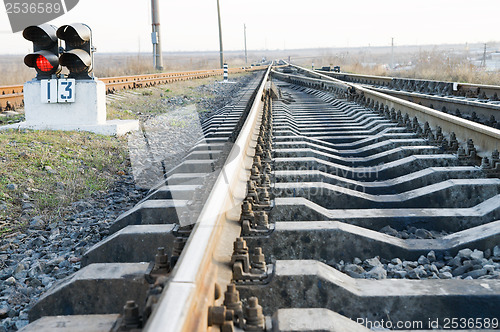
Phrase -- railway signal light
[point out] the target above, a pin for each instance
(45, 56)
(79, 52)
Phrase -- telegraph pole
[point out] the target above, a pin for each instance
(155, 35)
(245, 35)
(220, 37)
(392, 53)
(483, 63)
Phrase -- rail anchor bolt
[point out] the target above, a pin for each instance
(255, 320)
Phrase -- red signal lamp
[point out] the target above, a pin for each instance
(45, 56)
(43, 64)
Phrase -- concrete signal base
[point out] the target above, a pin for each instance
(87, 113)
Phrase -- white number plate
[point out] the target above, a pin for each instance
(49, 91)
(66, 91)
(58, 91)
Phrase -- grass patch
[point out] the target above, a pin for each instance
(11, 119)
(43, 172)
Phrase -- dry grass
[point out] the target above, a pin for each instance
(445, 62)
(13, 71)
(432, 64)
(433, 67)
(119, 65)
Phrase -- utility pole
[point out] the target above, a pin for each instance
(483, 63)
(245, 35)
(220, 38)
(155, 35)
(392, 53)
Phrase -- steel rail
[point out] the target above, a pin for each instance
(185, 302)
(486, 139)
(130, 82)
(11, 101)
(10, 89)
(474, 88)
(450, 103)
(484, 109)
(12, 96)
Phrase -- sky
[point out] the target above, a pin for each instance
(191, 25)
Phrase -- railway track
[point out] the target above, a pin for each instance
(476, 102)
(316, 210)
(11, 97)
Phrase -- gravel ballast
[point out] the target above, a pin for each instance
(466, 264)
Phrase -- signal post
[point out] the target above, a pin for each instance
(75, 101)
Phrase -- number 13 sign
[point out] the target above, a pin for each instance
(58, 91)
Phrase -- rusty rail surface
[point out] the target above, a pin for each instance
(11, 97)
(185, 303)
(487, 139)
